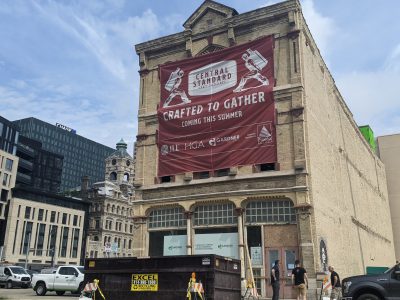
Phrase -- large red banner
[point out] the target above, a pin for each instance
(217, 110)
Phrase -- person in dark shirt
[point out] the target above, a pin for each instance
(336, 286)
(300, 281)
(275, 276)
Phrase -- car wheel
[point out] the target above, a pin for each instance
(41, 289)
(9, 285)
(368, 297)
(60, 293)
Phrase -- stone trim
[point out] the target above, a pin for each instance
(234, 193)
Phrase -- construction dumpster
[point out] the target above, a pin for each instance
(204, 277)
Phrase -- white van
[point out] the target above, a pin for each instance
(11, 276)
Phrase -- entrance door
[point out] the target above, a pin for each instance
(286, 256)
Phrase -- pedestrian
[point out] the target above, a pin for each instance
(275, 276)
(300, 280)
(336, 286)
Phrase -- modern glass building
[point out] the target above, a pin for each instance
(8, 136)
(38, 168)
(82, 157)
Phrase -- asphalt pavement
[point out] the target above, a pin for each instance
(29, 294)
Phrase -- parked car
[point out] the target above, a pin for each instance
(66, 278)
(373, 287)
(31, 272)
(14, 276)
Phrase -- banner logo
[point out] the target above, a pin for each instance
(254, 62)
(264, 135)
(172, 86)
(213, 78)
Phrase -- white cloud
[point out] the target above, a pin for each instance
(322, 28)
(371, 93)
(393, 62)
(103, 109)
(373, 96)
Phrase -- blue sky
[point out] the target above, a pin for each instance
(73, 62)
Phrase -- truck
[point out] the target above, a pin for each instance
(373, 287)
(65, 278)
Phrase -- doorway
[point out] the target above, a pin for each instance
(287, 257)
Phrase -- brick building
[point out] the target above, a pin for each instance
(322, 199)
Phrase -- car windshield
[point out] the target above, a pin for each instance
(18, 270)
(80, 269)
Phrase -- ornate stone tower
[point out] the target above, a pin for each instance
(111, 227)
(120, 166)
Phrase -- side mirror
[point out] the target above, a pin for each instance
(76, 274)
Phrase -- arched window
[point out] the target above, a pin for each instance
(130, 244)
(108, 224)
(115, 240)
(126, 177)
(119, 243)
(124, 243)
(109, 239)
(113, 176)
(117, 210)
(270, 211)
(96, 238)
(123, 211)
(113, 209)
(215, 214)
(105, 240)
(167, 217)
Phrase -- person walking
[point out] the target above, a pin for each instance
(275, 276)
(300, 280)
(336, 286)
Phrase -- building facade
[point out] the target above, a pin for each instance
(8, 174)
(82, 157)
(8, 136)
(388, 149)
(320, 196)
(45, 229)
(111, 225)
(38, 168)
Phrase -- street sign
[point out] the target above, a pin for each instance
(256, 256)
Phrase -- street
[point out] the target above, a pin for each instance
(28, 294)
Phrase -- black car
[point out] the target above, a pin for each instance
(31, 272)
(373, 287)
